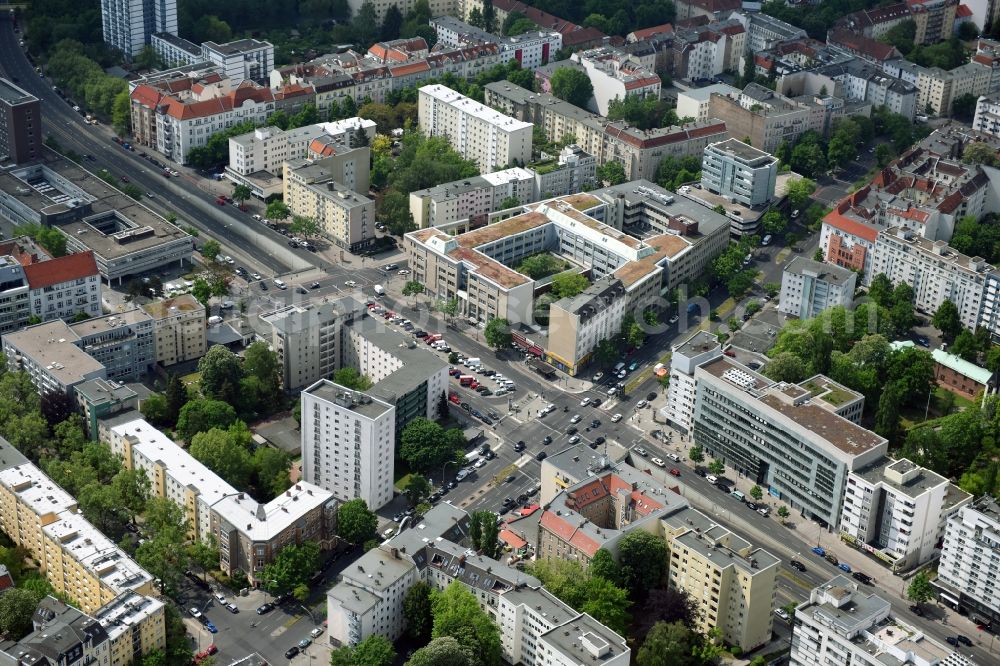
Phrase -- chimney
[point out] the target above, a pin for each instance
(939, 247)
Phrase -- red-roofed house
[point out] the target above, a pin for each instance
(58, 288)
(963, 15)
(649, 33)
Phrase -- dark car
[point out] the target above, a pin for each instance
(798, 566)
(862, 577)
(701, 471)
(302, 290)
(519, 447)
(292, 243)
(542, 455)
(651, 396)
(510, 479)
(964, 640)
(492, 414)
(546, 440)
(596, 423)
(952, 641)
(263, 609)
(752, 506)
(420, 334)
(466, 406)
(292, 652)
(571, 430)
(600, 440)
(507, 501)
(596, 402)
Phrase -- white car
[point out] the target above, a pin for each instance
(674, 457)
(195, 613)
(616, 418)
(574, 439)
(221, 598)
(403, 272)
(256, 217)
(576, 418)
(350, 283)
(783, 614)
(317, 632)
(658, 462)
(255, 276)
(480, 463)
(585, 402)
(685, 189)
(641, 451)
(612, 390)
(673, 320)
(598, 377)
(640, 404)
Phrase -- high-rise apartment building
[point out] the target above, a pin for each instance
(129, 24)
(688, 355)
(348, 439)
(322, 190)
(809, 287)
(487, 137)
(20, 124)
(970, 561)
(740, 172)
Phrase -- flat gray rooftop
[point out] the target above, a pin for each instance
(826, 272)
(418, 363)
(699, 343)
(741, 150)
(13, 95)
(349, 399)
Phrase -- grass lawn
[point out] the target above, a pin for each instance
(192, 381)
(939, 400)
(402, 481)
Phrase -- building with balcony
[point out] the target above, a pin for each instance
(740, 172)
(319, 190)
(799, 441)
(241, 59)
(969, 567)
(809, 287)
(698, 349)
(128, 25)
(471, 199)
(348, 439)
(897, 511)
(100, 399)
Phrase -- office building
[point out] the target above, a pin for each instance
(471, 199)
(685, 358)
(489, 138)
(73, 555)
(307, 340)
(178, 329)
(897, 511)
(572, 170)
(638, 151)
(124, 343)
(249, 534)
(739, 172)
(535, 628)
(809, 287)
(99, 399)
(118, 634)
(841, 625)
(732, 583)
(256, 159)
(241, 59)
(20, 124)
(126, 237)
(969, 564)
(319, 190)
(348, 438)
(128, 25)
(175, 51)
(799, 441)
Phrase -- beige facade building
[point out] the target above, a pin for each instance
(732, 582)
(315, 190)
(179, 327)
(479, 133)
(74, 556)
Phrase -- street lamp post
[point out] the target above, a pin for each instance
(444, 467)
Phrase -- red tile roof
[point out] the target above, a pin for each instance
(512, 539)
(642, 83)
(646, 33)
(836, 219)
(863, 45)
(412, 68)
(963, 11)
(61, 269)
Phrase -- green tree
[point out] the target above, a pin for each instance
(176, 396)
(457, 614)
(17, 606)
(203, 554)
(612, 173)
(221, 372)
(355, 522)
(642, 560)
(417, 612)
(271, 468)
(306, 227)
(202, 415)
(444, 651)
(808, 158)
(391, 24)
(352, 379)
(740, 283)
(799, 190)
(226, 453)
(716, 466)
(568, 284)
(121, 113)
(162, 553)
(965, 346)
(416, 488)
(241, 194)
(920, 589)
(498, 334)
(425, 445)
(696, 454)
(774, 222)
(670, 644)
(783, 512)
(756, 492)
(980, 153)
(538, 266)
(278, 210)
(376, 650)
(292, 566)
(211, 249)
(963, 107)
(585, 592)
(484, 533)
(131, 487)
(880, 290)
(154, 409)
(603, 565)
(947, 320)
(572, 85)
(413, 288)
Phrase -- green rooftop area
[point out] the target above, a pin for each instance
(834, 395)
(544, 166)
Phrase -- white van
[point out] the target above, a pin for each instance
(711, 478)
(439, 344)
(739, 495)
(280, 284)
(619, 367)
(472, 362)
(214, 320)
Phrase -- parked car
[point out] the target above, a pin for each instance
(195, 613)
(675, 472)
(798, 566)
(616, 418)
(292, 652)
(263, 609)
(641, 451)
(783, 614)
(658, 462)
(576, 418)
(819, 551)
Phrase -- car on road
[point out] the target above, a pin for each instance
(673, 320)
(255, 276)
(576, 418)
(612, 390)
(546, 440)
(541, 455)
(314, 285)
(674, 457)
(641, 451)
(585, 402)
(598, 377)
(641, 404)
(616, 418)
(764, 511)
(964, 640)
(150, 195)
(798, 566)
(783, 614)
(572, 430)
(292, 652)
(574, 439)
(596, 423)
(304, 643)
(221, 598)
(302, 290)
(232, 608)
(675, 472)
(510, 479)
(212, 629)
(862, 577)
(598, 441)
(390, 267)
(403, 271)
(195, 613)
(952, 641)
(658, 462)
(317, 632)
(350, 283)
(633, 366)
(264, 609)
(819, 551)
(480, 463)
(845, 567)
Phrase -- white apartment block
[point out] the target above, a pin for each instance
(840, 625)
(987, 117)
(241, 59)
(437, 7)
(487, 137)
(306, 339)
(764, 31)
(694, 103)
(317, 190)
(572, 171)
(470, 199)
(175, 51)
(970, 561)
(897, 511)
(615, 75)
(348, 439)
(51, 358)
(248, 533)
(809, 287)
(740, 172)
(935, 271)
(688, 355)
(368, 599)
(128, 24)
(709, 50)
